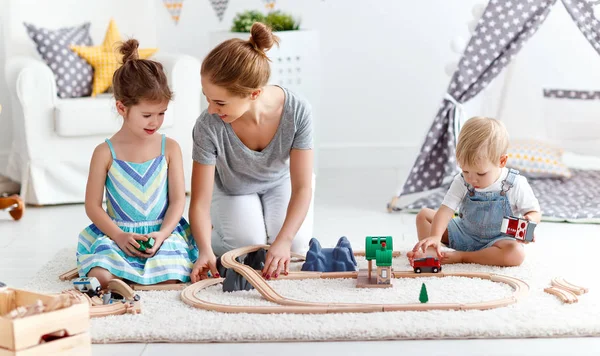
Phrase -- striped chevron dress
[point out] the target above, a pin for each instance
(137, 199)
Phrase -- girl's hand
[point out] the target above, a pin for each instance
(278, 258)
(159, 238)
(207, 261)
(127, 242)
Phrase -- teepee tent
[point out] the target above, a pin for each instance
(503, 28)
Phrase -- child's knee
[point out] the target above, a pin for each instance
(425, 214)
(514, 254)
(102, 275)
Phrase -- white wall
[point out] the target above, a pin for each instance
(558, 56)
(382, 68)
(5, 122)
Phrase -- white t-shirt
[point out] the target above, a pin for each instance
(521, 197)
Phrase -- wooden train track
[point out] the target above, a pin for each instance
(565, 291)
(559, 282)
(73, 273)
(564, 295)
(288, 305)
(99, 309)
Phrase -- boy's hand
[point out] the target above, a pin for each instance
(535, 217)
(431, 241)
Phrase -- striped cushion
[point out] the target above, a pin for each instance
(537, 159)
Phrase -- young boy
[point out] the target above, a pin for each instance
(485, 191)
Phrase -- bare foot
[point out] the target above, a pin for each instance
(449, 257)
(414, 255)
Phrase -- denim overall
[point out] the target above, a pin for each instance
(480, 218)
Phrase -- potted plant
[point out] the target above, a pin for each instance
(277, 20)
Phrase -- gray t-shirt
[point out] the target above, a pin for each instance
(240, 170)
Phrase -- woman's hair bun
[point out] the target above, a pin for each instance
(261, 37)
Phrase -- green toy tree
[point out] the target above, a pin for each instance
(423, 298)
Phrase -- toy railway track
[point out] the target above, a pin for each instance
(564, 295)
(73, 273)
(288, 305)
(98, 309)
(559, 282)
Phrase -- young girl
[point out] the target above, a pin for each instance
(142, 172)
(253, 159)
(485, 192)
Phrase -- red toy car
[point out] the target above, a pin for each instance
(427, 264)
(520, 229)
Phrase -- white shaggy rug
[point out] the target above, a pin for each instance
(165, 318)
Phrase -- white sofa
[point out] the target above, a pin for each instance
(52, 138)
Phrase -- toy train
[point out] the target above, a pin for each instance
(87, 285)
(519, 228)
(426, 264)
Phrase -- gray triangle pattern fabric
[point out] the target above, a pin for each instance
(219, 6)
(503, 28)
(73, 74)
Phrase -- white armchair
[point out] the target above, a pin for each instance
(53, 138)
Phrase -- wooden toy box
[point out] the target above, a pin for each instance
(23, 336)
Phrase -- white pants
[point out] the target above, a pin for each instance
(255, 219)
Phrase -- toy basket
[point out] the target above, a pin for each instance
(60, 328)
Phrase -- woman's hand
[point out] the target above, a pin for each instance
(278, 258)
(207, 261)
(128, 243)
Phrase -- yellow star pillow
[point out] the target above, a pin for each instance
(105, 59)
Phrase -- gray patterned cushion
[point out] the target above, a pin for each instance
(72, 73)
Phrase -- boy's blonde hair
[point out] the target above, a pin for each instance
(481, 138)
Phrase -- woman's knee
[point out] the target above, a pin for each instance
(300, 243)
(224, 243)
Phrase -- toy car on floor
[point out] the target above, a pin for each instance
(427, 264)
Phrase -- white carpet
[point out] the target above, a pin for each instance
(165, 318)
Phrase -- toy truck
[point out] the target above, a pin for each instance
(427, 264)
(519, 228)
